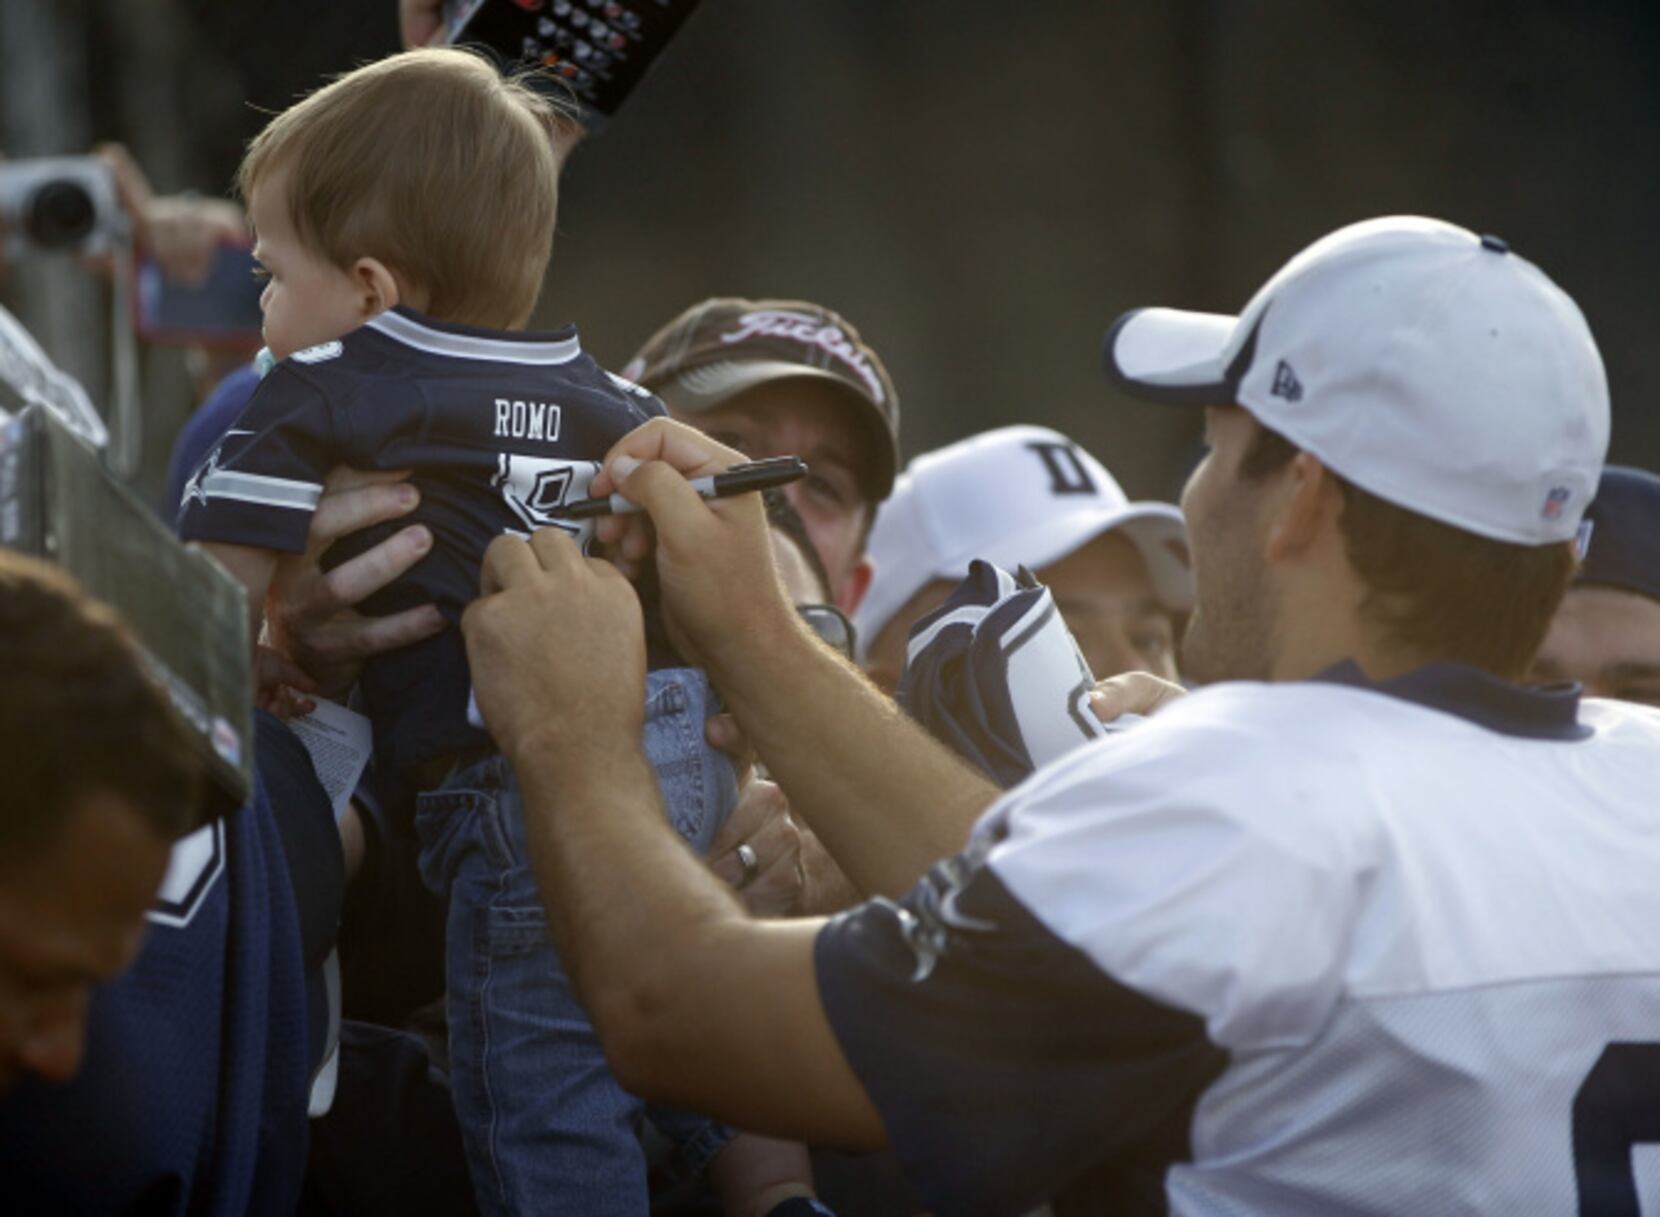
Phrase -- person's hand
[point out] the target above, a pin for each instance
(556, 645)
(181, 233)
(828, 889)
(308, 614)
(704, 550)
(419, 21)
(721, 732)
(1132, 693)
(758, 852)
(280, 687)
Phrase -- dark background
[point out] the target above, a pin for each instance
(980, 187)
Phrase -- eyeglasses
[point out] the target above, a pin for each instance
(830, 624)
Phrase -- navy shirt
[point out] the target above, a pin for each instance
(498, 427)
(204, 429)
(192, 1095)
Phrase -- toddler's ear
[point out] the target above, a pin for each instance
(377, 286)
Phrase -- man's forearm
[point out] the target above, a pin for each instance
(614, 877)
(885, 798)
(695, 1003)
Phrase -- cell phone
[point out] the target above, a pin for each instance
(595, 51)
(222, 311)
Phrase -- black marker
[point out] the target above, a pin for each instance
(740, 479)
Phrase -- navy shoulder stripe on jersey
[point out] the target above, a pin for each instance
(1533, 712)
(1008, 1069)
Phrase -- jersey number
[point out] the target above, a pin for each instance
(1616, 1108)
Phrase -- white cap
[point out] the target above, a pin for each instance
(1014, 496)
(1429, 366)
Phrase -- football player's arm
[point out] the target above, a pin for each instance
(886, 799)
(694, 1002)
(999, 1060)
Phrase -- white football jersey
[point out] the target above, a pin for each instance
(1344, 950)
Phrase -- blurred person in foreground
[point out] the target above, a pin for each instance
(199, 1059)
(1606, 635)
(100, 781)
(1210, 963)
(1028, 496)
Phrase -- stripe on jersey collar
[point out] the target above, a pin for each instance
(406, 326)
(1533, 711)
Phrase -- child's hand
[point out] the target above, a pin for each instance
(556, 646)
(703, 549)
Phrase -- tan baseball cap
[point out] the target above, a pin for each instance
(724, 346)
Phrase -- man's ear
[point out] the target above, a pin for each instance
(377, 286)
(1307, 502)
(854, 585)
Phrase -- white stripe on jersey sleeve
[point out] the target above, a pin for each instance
(969, 614)
(261, 489)
(468, 346)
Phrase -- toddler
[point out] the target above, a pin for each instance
(404, 215)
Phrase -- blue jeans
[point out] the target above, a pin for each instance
(547, 1129)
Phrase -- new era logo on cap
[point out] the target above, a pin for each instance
(1286, 384)
(1454, 378)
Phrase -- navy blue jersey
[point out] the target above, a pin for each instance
(191, 1099)
(498, 428)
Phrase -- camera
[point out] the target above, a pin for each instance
(59, 204)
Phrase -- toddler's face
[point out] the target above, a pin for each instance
(307, 300)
